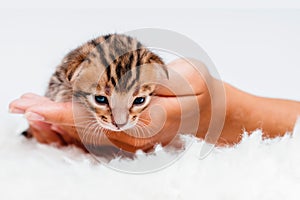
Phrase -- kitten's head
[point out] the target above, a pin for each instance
(116, 80)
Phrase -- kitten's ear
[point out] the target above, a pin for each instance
(162, 71)
(75, 59)
(149, 88)
(74, 72)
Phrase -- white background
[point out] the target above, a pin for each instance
(256, 50)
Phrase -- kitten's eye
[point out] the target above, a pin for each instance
(101, 99)
(139, 100)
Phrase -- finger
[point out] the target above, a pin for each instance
(15, 110)
(66, 133)
(32, 96)
(50, 111)
(70, 136)
(58, 129)
(54, 113)
(36, 134)
(186, 77)
(59, 114)
(22, 104)
(44, 134)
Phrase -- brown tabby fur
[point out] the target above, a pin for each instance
(116, 66)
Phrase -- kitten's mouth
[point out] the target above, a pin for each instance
(117, 128)
(124, 127)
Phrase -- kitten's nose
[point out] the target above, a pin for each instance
(120, 117)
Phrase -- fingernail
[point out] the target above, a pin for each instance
(55, 128)
(34, 116)
(58, 130)
(35, 126)
(16, 111)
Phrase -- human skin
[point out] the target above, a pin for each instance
(52, 122)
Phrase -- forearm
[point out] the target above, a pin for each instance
(246, 112)
(274, 116)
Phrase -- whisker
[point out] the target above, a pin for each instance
(147, 129)
(86, 132)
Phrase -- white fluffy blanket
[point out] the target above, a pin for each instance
(254, 169)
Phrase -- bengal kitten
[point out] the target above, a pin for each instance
(111, 76)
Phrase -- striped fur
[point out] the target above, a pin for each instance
(115, 66)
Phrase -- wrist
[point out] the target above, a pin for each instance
(239, 107)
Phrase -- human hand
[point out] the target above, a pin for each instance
(49, 122)
(180, 100)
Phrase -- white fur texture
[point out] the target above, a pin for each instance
(254, 169)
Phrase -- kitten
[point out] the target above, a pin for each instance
(112, 76)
